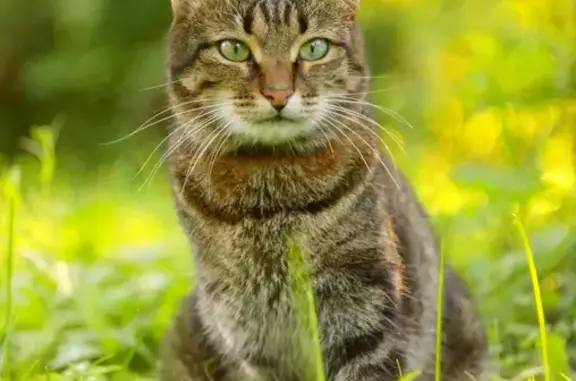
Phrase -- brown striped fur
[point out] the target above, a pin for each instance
(245, 177)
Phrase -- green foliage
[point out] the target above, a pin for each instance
(303, 295)
(92, 268)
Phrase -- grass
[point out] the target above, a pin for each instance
(301, 285)
(11, 192)
(93, 274)
(440, 312)
(537, 298)
(92, 269)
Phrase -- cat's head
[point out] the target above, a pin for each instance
(264, 72)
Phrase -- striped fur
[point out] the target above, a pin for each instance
(321, 179)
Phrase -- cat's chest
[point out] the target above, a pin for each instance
(259, 325)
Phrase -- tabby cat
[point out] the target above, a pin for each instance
(274, 139)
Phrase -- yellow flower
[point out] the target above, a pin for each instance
(440, 194)
(526, 124)
(454, 66)
(480, 135)
(556, 161)
(542, 205)
(526, 14)
(445, 118)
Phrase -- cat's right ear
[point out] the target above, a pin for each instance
(176, 5)
(180, 7)
(184, 8)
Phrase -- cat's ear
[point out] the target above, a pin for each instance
(353, 5)
(181, 6)
(175, 5)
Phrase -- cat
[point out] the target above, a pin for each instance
(274, 138)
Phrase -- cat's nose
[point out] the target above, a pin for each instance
(278, 97)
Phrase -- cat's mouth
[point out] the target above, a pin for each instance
(273, 130)
(279, 118)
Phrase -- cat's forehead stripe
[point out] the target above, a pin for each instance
(266, 12)
(274, 12)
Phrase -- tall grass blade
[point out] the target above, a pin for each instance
(305, 307)
(440, 313)
(537, 297)
(11, 192)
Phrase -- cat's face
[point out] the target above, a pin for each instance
(265, 72)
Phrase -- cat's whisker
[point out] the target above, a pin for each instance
(354, 114)
(329, 120)
(156, 149)
(163, 85)
(387, 111)
(194, 162)
(376, 153)
(366, 93)
(320, 128)
(357, 115)
(216, 154)
(185, 138)
(159, 163)
(151, 122)
(176, 130)
(371, 76)
(360, 124)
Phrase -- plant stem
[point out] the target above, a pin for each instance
(439, 314)
(537, 296)
(9, 275)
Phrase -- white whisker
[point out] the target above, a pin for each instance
(378, 156)
(197, 157)
(387, 111)
(350, 115)
(353, 113)
(216, 154)
(185, 138)
(151, 122)
(329, 120)
(177, 129)
(160, 86)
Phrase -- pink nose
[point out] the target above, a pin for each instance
(278, 97)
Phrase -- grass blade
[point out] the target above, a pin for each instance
(11, 192)
(439, 314)
(305, 305)
(537, 297)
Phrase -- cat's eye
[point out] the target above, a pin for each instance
(234, 50)
(314, 50)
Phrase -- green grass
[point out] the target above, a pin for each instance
(11, 194)
(537, 298)
(440, 312)
(302, 290)
(92, 273)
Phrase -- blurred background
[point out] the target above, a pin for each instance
(480, 102)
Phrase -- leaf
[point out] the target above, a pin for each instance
(558, 356)
(498, 180)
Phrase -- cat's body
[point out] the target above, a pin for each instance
(249, 175)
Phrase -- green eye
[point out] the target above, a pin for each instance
(234, 50)
(314, 50)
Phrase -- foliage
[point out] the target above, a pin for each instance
(478, 100)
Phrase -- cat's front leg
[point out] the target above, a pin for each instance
(360, 311)
(380, 364)
(187, 353)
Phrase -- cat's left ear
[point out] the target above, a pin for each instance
(180, 7)
(175, 5)
(354, 4)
